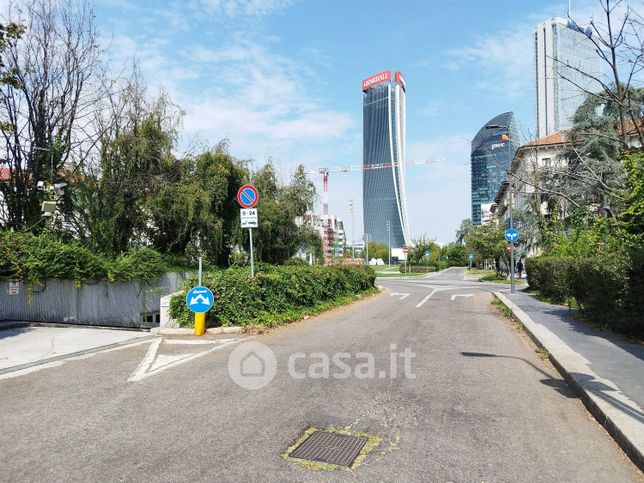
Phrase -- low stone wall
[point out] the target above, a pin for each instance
(119, 304)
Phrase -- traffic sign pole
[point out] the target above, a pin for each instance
(200, 317)
(247, 197)
(252, 261)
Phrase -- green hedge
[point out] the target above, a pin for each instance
(607, 286)
(417, 268)
(551, 276)
(32, 258)
(276, 294)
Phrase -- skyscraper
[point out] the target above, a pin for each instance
(384, 143)
(493, 148)
(562, 49)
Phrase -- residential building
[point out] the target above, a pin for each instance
(330, 229)
(493, 148)
(531, 162)
(384, 143)
(564, 57)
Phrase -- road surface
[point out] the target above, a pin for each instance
(477, 404)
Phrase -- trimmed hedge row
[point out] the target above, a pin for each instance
(608, 287)
(32, 258)
(276, 293)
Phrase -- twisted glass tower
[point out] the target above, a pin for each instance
(384, 140)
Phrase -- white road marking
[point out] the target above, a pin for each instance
(153, 364)
(461, 295)
(404, 295)
(192, 342)
(426, 298)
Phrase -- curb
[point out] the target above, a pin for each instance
(626, 427)
(191, 331)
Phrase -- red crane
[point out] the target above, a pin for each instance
(348, 169)
(354, 167)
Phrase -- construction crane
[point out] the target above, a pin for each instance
(348, 169)
(354, 167)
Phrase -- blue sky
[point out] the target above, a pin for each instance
(281, 80)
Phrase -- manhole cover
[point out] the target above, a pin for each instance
(325, 447)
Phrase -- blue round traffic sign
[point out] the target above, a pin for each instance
(511, 235)
(200, 299)
(247, 196)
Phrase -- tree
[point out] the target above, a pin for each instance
(619, 43)
(419, 247)
(134, 162)
(51, 89)
(465, 228)
(278, 237)
(487, 243)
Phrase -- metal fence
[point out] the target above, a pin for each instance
(120, 304)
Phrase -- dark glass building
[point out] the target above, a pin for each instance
(492, 151)
(384, 144)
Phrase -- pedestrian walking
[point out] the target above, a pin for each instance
(520, 268)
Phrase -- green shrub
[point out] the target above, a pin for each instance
(295, 262)
(33, 258)
(274, 294)
(551, 276)
(608, 288)
(140, 264)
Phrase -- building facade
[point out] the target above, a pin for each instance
(493, 148)
(384, 144)
(562, 54)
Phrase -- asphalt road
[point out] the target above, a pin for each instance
(482, 406)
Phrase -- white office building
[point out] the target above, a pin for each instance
(563, 53)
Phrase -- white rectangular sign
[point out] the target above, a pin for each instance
(14, 287)
(248, 217)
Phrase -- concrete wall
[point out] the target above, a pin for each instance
(122, 304)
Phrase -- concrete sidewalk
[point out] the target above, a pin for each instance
(606, 371)
(23, 347)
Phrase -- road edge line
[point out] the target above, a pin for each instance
(627, 432)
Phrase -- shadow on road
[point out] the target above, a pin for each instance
(558, 384)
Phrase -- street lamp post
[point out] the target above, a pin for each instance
(389, 243)
(512, 280)
(366, 241)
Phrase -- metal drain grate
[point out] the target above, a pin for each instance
(325, 447)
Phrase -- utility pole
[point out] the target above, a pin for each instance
(512, 282)
(353, 230)
(389, 242)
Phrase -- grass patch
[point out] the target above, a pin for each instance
(570, 302)
(398, 274)
(506, 312)
(372, 442)
(478, 273)
(543, 353)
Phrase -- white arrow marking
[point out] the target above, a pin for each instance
(461, 295)
(404, 295)
(153, 364)
(426, 299)
(198, 298)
